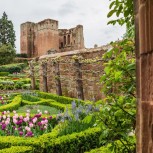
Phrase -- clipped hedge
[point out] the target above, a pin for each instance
(18, 149)
(103, 149)
(15, 104)
(61, 99)
(75, 143)
(48, 143)
(11, 68)
(48, 102)
(4, 73)
(20, 141)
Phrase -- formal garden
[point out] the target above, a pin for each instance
(32, 121)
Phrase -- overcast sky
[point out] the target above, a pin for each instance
(92, 14)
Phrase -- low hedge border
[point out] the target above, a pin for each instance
(103, 149)
(15, 104)
(18, 149)
(61, 99)
(51, 103)
(48, 143)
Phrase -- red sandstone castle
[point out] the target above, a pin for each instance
(44, 38)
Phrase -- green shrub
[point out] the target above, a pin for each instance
(30, 98)
(48, 102)
(15, 104)
(18, 149)
(75, 143)
(103, 149)
(4, 73)
(23, 55)
(61, 99)
(11, 68)
(20, 141)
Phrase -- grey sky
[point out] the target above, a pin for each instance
(92, 14)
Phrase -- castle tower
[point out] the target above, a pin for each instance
(39, 38)
(46, 36)
(27, 38)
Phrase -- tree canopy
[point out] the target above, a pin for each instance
(7, 33)
(123, 10)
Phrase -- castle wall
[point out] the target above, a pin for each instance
(71, 39)
(27, 38)
(91, 70)
(37, 38)
(47, 36)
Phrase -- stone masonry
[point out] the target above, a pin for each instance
(74, 73)
(144, 61)
(44, 37)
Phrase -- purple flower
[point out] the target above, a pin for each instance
(3, 126)
(37, 115)
(21, 133)
(39, 123)
(19, 122)
(50, 117)
(29, 134)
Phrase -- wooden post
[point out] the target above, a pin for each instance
(57, 78)
(32, 75)
(79, 83)
(44, 74)
(144, 65)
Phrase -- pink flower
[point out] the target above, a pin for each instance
(34, 120)
(7, 122)
(31, 125)
(21, 117)
(27, 128)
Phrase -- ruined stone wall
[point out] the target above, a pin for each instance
(38, 38)
(71, 39)
(89, 72)
(144, 61)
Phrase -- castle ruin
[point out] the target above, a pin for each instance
(44, 37)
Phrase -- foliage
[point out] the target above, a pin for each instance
(22, 55)
(12, 68)
(33, 109)
(4, 73)
(117, 117)
(18, 149)
(7, 33)
(7, 54)
(61, 99)
(15, 104)
(78, 119)
(123, 9)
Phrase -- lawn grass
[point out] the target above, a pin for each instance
(33, 109)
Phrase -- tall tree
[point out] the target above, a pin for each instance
(7, 33)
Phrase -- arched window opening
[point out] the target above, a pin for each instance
(64, 40)
(68, 39)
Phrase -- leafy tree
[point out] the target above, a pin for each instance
(7, 33)
(123, 9)
(117, 117)
(7, 54)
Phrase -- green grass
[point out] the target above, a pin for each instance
(33, 109)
